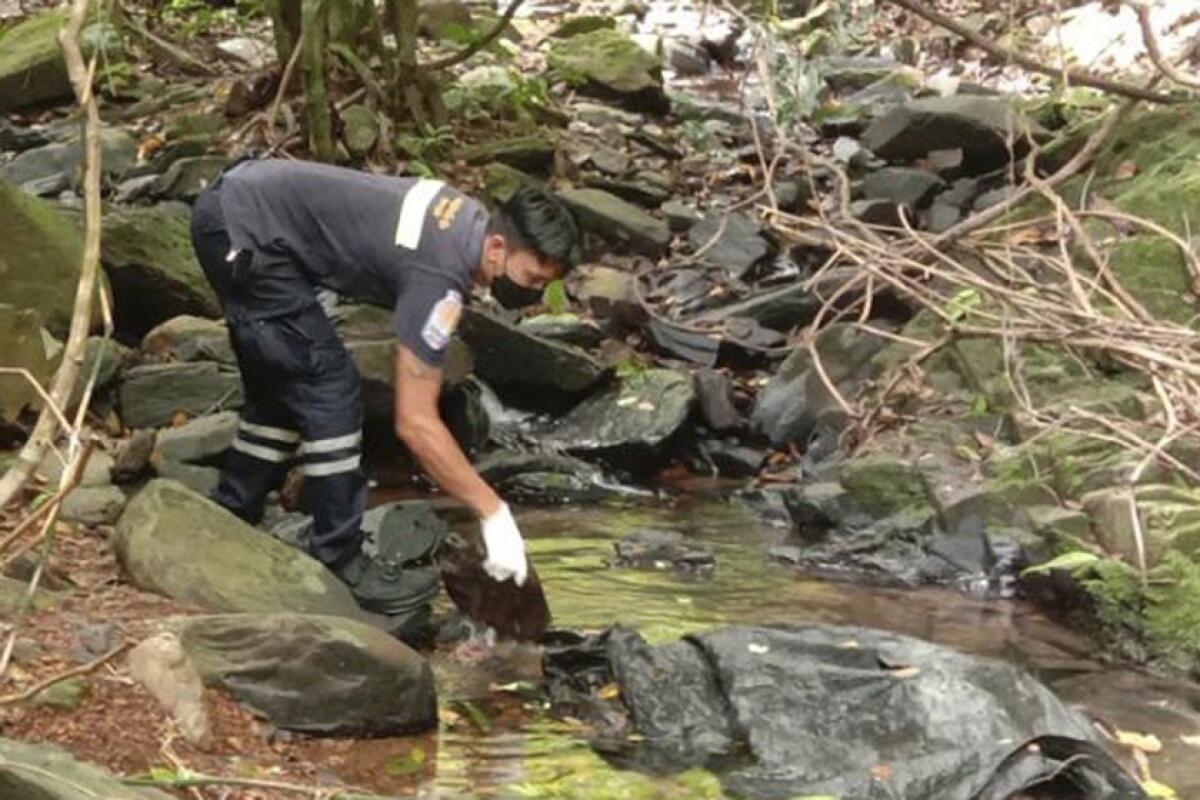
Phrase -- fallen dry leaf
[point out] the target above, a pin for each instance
(1146, 742)
(1125, 170)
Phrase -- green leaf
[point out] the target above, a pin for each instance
(962, 303)
(163, 775)
(398, 766)
(1074, 561)
(555, 297)
(476, 714)
(979, 405)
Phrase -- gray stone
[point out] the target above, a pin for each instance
(104, 358)
(40, 253)
(132, 459)
(1168, 517)
(941, 217)
(714, 395)
(52, 168)
(680, 215)
(607, 293)
(97, 472)
(902, 185)
(188, 338)
(851, 73)
(618, 221)
(254, 53)
(508, 357)
(361, 130)
(161, 666)
(981, 126)
(200, 440)
(543, 478)
(739, 242)
(200, 479)
(151, 395)
(629, 420)
(32, 70)
(533, 154)
(877, 212)
(187, 177)
(16, 139)
(655, 549)
(733, 460)
(44, 772)
(96, 505)
(993, 197)
(566, 328)
(643, 193)
(148, 255)
(316, 674)
(946, 163)
(686, 58)
(172, 541)
(12, 596)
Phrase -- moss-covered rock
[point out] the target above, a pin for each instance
(883, 485)
(148, 255)
(40, 254)
(1173, 612)
(610, 63)
(1169, 517)
(529, 153)
(44, 772)
(361, 130)
(21, 333)
(32, 69)
(1152, 268)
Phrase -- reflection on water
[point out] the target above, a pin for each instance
(495, 741)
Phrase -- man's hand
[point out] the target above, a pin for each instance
(505, 547)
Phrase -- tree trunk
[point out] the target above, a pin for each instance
(286, 19)
(316, 101)
(416, 91)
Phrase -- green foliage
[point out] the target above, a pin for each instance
(503, 94)
(410, 764)
(425, 146)
(192, 17)
(555, 297)
(1074, 561)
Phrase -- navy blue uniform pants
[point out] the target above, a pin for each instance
(302, 390)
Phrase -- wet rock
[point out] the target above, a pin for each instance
(981, 126)
(501, 182)
(32, 70)
(509, 358)
(629, 420)
(40, 254)
(151, 395)
(739, 242)
(679, 215)
(787, 408)
(148, 255)
(93, 505)
(643, 193)
(616, 220)
(279, 665)
(187, 177)
(360, 130)
(56, 167)
(699, 347)
(611, 65)
(714, 396)
(132, 459)
(172, 541)
(566, 328)
(15, 139)
(543, 478)
(188, 338)
(902, 185)
(877, 212)
(200, 440)
(607, 293)
(21, 332)
(161, 666)
(662, 550)
(534, 154)
(733, 460)
(44, 772)
(883, 484)
(802, 706)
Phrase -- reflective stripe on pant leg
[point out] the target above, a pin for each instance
(266, 442)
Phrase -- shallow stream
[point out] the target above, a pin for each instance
(496, 743)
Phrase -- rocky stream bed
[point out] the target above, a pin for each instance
(742, 424)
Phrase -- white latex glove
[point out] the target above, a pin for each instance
(505, 547)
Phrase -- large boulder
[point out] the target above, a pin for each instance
(21, 332)
(610, 64)
(172, 541)
(32, 69)
(981, 126)
(616, 220)
(147, 253)
(151, 395)
(820, 711)
(317, 674)
(44, 772)
(629, 421)
(40, 254)
(57, 166)
(517, 362)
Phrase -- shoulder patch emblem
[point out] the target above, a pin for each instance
(446, 210)
(442, 321)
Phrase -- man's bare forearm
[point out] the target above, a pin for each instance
(445, 462)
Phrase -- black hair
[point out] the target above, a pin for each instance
(534, 220)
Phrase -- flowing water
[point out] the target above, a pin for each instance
(496, 741)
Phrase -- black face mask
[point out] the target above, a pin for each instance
(512, 295)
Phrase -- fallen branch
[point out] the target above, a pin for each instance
(1079, 76)
(1165, 67)
(477, 45)
(41, 686)
(185, 60)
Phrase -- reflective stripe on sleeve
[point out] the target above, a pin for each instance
(412, 212)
